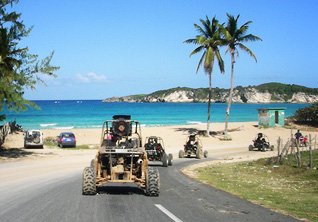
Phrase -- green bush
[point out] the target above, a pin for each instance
(307, 115)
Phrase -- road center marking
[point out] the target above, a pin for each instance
(168, 213)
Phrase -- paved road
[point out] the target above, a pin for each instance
(181, 199)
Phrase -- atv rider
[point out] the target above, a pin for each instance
(260, 140)
(154, 145)
(193, 141)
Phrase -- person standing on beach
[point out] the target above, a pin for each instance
(298, 135)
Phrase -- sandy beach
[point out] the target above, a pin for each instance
(175, 136)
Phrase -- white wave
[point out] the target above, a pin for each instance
(95, 126)
(64, 127)
(48, 124)
(194, 122)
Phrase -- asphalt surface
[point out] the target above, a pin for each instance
(180, 199)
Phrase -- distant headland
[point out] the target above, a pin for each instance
(265, 93)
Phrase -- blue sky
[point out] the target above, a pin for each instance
(117, 48)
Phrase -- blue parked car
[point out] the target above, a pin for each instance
(66, 139)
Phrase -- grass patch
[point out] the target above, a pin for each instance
(50, 141)
(283, 187)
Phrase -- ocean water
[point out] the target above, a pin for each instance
(69, 114)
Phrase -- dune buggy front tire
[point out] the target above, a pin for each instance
(89, 181)
(152, 182)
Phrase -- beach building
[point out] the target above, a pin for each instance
(271, 117)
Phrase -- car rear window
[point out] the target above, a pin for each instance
(68, 135)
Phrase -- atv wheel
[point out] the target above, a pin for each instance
(198, 153)
(152, 182)
(205, 154)
(170, 158)
(250, 147)
(165, 160)
(181, 154)
(89, 181)
(272, 147)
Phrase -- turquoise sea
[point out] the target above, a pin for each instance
(68, 114)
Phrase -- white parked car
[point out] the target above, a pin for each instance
(33, 138)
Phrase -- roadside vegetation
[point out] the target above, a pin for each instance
(307, 115)
(283, 186)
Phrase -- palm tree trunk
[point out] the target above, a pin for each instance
(229, 102)
(209, 104)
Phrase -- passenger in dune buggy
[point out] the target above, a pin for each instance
(193, 147)
(154, 147)
(261, 143)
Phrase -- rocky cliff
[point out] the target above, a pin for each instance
(265, 93)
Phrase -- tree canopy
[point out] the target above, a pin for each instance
(307, 115)
(19, 69)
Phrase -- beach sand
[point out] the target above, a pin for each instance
(174, 138)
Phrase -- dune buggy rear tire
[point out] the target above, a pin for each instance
(181, 154)
(250, 147)
(272, 147)
(170, 158)
(152, 182)
(165, 160)
(89, 181)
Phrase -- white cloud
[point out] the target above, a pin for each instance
(91, 78)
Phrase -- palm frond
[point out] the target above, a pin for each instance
(220, 61)
(197, 50)
(200, 29)
(246, 49)
(250, 38)
(206, 25)
(191, 41)
(200, 61)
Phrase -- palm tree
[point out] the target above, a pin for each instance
(233, 38)
(208, 41)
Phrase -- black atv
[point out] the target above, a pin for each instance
(261, 143)
(154, 147)
(193, 148)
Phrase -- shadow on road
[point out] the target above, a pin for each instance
(14, 153)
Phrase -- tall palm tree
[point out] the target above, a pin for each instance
(234, 37)
(208, 41)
